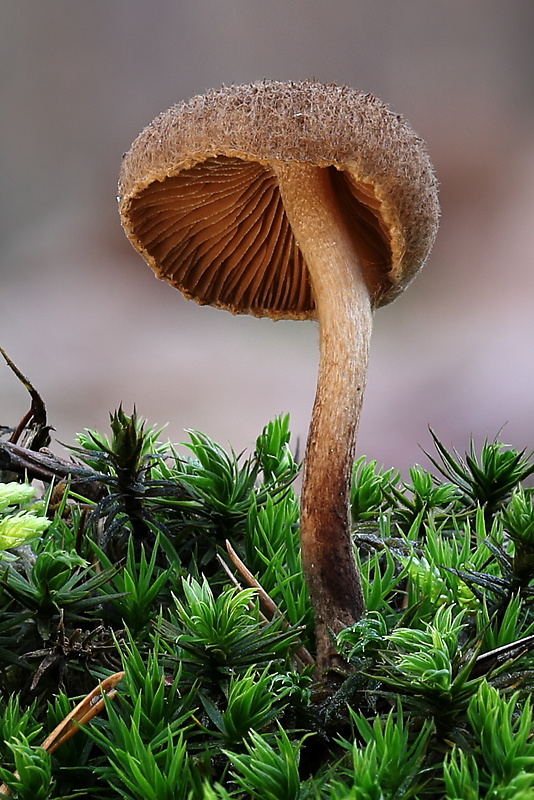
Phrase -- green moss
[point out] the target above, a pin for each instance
(218, 698)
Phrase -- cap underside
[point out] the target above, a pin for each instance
(218, 232)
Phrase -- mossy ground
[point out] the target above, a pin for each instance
(125, 567)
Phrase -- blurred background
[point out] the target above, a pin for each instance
(82, 315)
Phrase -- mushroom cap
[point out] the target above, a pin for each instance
(199, 196)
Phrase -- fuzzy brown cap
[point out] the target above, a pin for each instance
(199, 199)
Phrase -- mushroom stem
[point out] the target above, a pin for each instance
(344, 312)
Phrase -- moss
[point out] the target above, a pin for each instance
(431, 694)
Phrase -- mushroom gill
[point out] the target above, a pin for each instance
(219, 233)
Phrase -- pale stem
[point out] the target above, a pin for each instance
(344, 312)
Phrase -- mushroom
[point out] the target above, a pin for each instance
(292, 201)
